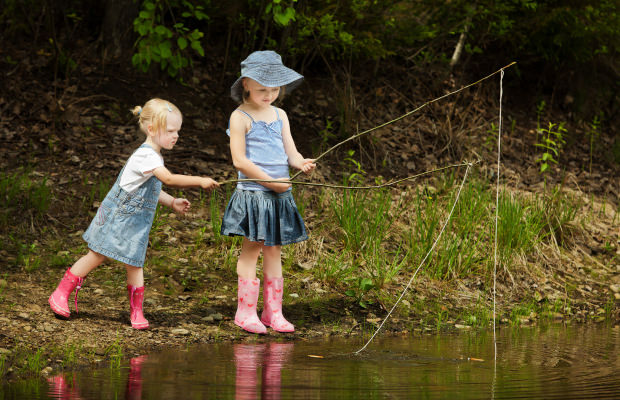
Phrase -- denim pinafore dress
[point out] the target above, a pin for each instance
(255, 212)
(121, 227)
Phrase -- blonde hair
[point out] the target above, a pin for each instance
(154, 113)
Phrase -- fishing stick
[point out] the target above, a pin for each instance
(292, 179)
(405, 115)
(499, 136)
(382, 185)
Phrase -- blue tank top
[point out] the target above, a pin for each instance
(265, 148)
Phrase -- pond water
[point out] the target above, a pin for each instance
(553, 362)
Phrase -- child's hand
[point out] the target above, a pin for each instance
(308, 165)
(181, 205)
(279, 187)
(208, 184)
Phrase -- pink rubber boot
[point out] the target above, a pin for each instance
(136, 296)
(272, 306)
(59, 298)
(247, 297)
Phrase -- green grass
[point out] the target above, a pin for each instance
(35, 362)
(2, 365)
(374, 237)
(97, 191)
(115, 352)
(23, 195)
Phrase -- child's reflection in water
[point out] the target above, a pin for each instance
(65, 388)
(248, 357)
(272, 357)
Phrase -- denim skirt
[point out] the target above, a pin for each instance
(264, 216)
(121, 227)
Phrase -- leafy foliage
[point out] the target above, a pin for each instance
(164, 40)
(552, 141)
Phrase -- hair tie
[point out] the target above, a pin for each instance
(140, 111)
(169, 108)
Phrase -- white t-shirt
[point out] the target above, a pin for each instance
(140, 168)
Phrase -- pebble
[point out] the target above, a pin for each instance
(557, 316)
(294, 295)
(35, 308)
(208, 319)
(615, 288)
(24, 315)
(185, 297)
(180, 331)
(459, 326)
(98, 291)
(217, 316)
(46, 370)
(5, 351)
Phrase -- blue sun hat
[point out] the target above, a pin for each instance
(266, 68)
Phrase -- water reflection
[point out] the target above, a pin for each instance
(65, 387)
(62, 388)
(248, 358)
(553, 362)
(134, 380)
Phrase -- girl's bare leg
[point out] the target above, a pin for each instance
(135, 276)
(272, 262)
(87, 263)
(246, 265)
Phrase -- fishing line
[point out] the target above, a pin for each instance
(499, 152)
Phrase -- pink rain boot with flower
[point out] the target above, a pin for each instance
(136, 297)
(59, 299)
(272, 306)
(247, 297)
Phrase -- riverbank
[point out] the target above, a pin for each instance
(190, 297)
(559, 258)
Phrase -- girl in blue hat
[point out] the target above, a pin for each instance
(120, 229)
(264, 213)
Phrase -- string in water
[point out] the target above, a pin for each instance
(499, 152)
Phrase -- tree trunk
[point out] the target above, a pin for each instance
(117, 28)
(459, 46)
